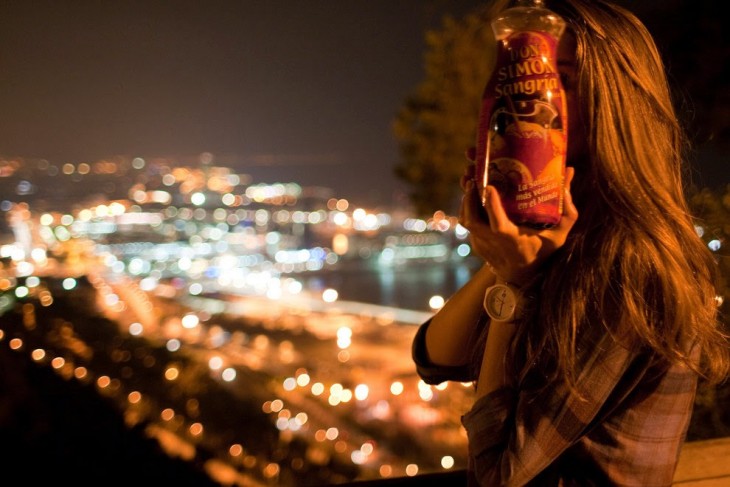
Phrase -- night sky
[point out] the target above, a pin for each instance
(300, 91)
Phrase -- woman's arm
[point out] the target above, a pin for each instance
(514, 255)
(493, 374)
(452, 329)
(510, 252)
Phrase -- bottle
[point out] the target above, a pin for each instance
(522, 132)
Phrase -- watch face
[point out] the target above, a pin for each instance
(500, 303)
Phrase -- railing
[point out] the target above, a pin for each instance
(703, 463)
(456, 478)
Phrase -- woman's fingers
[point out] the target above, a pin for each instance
(470, 205)
(515, 253)
(469, 173)
(569, 208)
(499, 222)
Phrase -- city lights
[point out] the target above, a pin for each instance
(222, 290)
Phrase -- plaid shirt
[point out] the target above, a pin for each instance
(627, 429)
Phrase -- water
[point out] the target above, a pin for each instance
(408, 286)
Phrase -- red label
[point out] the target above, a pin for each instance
(523, 128)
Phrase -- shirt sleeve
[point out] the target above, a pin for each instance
(432, 373)
(513, 437)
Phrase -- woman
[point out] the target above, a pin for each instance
(594, 381)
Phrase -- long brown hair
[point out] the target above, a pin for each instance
(633, 264)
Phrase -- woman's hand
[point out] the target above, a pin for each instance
(514, 253)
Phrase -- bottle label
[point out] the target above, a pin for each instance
(522, 140)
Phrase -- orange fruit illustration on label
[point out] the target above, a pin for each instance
(557, 139)
(553, 169)
(506, 173)
(524, 129)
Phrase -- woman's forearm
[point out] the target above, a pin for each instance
(451, 330)
(493, 374)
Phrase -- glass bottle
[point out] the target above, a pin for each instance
(523, 122)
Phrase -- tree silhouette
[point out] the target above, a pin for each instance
(436, 123)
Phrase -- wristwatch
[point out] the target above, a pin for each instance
(503, 302)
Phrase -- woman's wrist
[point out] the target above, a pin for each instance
(511, 280)
(520, 280)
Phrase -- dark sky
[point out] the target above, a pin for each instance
(291, 90)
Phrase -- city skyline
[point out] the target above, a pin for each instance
(282, 91)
